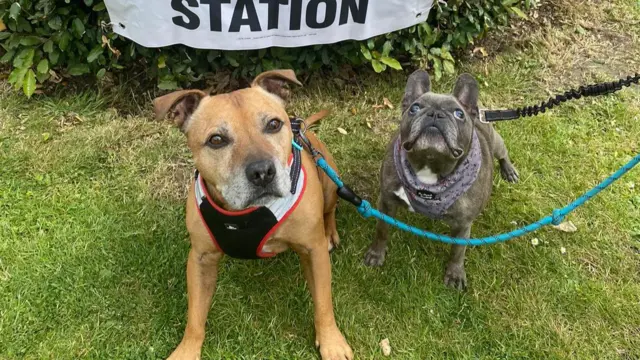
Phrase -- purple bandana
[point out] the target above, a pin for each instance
(434, 200)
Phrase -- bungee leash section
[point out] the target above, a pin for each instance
(583, 91)
(300, 141)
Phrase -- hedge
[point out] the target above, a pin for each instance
(49, 40)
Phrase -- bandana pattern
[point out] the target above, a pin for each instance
(434, 200)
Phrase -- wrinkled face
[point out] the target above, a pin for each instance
(241, 143)
(437, 127)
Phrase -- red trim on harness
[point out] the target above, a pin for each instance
(226, 212)
(259, 251)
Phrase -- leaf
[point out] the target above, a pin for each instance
(101, 73)
(393, 63)
(566, 226)
(99, 7)
(43, 66)
(342, 131)
(55, 23)
(167, 84)
(7, 56)
(88, 2)
(449, 67)
(437, 68)
(30, 40)
(14, 11)
(325, 56)
(24, 58)
(387, 103)
(41, 79)
(3, 27)
(509, 2)
(365, 52)
(445, 54)
(378, 66)
(386, 48)
(94, 53)
(48, 46)
(29, 84)
(54, 56)
(385, 347)
(63, 43)
(232, 61)
(46, 136)
(78, 27)
(78, 69)
(519, 12)
(16, 77)
(162, 62)
(4, 35)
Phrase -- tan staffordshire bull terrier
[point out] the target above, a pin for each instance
(241, 145)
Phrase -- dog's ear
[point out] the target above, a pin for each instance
(276, 82)
(418, 84)
(467, 92)
(181, 104)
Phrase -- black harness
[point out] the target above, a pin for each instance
(243, 234)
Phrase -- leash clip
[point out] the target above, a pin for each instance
(482, 117)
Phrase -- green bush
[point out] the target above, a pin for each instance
(48, 40)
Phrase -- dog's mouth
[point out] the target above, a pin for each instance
(262, 197)
(433, 137)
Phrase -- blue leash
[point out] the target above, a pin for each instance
(366, 210)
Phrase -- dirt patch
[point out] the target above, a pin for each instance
(576, 42)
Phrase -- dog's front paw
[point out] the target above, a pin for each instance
(455, 277)
(374, 257)
(509, 172)
(333, 346)
(185, 351)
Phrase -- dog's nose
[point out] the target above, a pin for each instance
(261, 173)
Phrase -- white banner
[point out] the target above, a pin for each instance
(249, 24)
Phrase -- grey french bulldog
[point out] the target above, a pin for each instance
(440, 164)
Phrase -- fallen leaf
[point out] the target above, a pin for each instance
(385, 347)
(354, 111)
(3, 27)
(105, 41)
(535, 242)
(563, 250)
(566, 226)
(481, 50)
(46, 136)
(387, 103)
(342, 131)
(369, 125)
(378, 107)
(54, 77)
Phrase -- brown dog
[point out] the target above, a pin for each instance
(241, 145)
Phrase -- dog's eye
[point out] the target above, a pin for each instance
(273, 126)
(217, 141)
(414, 109)
(459, 114)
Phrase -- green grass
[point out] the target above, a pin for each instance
(93, 244)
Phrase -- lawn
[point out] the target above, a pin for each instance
(93, 244)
